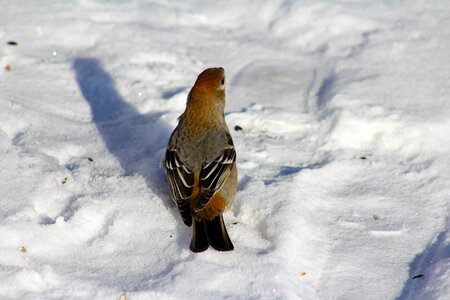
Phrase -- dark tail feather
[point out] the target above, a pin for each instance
(199, 241)
(185, 212)
(217, 234)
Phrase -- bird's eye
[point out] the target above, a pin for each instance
(223, 81)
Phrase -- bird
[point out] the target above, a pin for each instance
(200, 163)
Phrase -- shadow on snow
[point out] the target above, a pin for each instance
(136, 140)
(423, 265)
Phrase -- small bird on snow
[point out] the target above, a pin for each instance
(201, 163)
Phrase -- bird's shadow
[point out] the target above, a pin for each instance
(136, 140)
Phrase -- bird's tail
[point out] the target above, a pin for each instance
(212, 233)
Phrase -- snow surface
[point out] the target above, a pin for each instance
(343, 155)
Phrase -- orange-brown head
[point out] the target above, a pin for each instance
(206, 101)
(211, 81)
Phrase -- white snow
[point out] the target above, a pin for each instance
(343, 156)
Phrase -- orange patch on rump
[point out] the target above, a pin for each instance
(215, 206)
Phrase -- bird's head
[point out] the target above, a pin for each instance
(211, 81)
(206, 100)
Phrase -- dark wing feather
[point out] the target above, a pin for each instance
(214, 174)
(181, 182)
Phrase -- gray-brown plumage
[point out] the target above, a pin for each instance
(201, 163)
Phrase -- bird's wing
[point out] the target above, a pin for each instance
(214, 174)
(181, 182)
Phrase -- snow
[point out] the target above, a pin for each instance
(344, 189)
